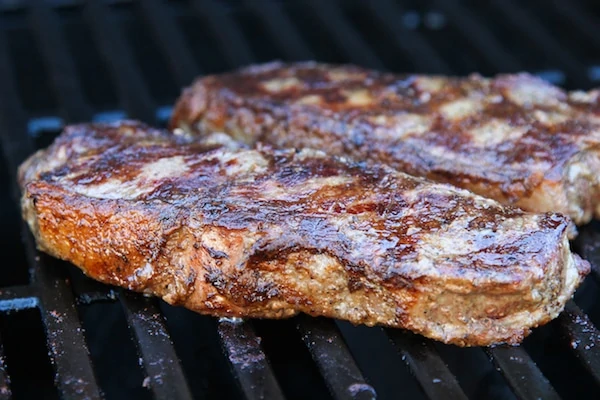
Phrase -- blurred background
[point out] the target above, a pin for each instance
(65, 61)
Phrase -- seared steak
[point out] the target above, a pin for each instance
(229, 231)
(514, 138)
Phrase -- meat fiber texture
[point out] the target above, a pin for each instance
(514, 138)
(229, 231)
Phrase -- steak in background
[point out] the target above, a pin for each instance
(514, 138)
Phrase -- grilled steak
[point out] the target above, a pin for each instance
(268, 233)
(513, 138)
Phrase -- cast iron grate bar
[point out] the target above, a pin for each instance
(536, 32)
(16, 298)
(88, 298)
(236, 51)
(473, 29)
(579, 18)
(88, 291)
(346, 37)
(164, 374)
(63, 74)
(170, 40)
(329, 351)
(521, 373)
(421, 53)
(130, 86)
(5, 392)
(588, 245)
(75, 377)
(423, 360)
(13, 119)
(583, 336)
(247, 360)
(74, 374)
(282, 29)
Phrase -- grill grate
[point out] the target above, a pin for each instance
(60, 300)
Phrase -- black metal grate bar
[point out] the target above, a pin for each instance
(583, 336)
(579, 18)
(346, 37)
(130, 86)
(88, 298)
(231, 40)
(74, 374)
(165, 376)
(328, 349)
(75, 377)
(532, 29)
(282, 29)
(20, 4)
(16, 298)
(170, 40)
(88, 291)
(248, 361)
(5, 392)
(423, 56)
(12, 118)
(521, 373)
(427, 366)
(63, 74)
(588, 244)
(474, 31)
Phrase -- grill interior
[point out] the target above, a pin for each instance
(65, 336)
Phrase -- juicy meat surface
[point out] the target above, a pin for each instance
(229, 231)
(514, 138)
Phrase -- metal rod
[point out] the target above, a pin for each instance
(164, 374)
(235, 48)
(521, 373)
(16, 298)
(75, 377)
(329, 351)
(63, 74)
(424, 361)
(345, 36)
(515, 15)
(130, 86)
(474, 30)
(583, 337)
(248, 362)
(588, 245)
(281, 28)
(421, 53)
(580, 19)
(171, 41)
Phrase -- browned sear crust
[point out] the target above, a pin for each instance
(268, 233)
(514, 138)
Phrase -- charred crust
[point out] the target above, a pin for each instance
(216, 254)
